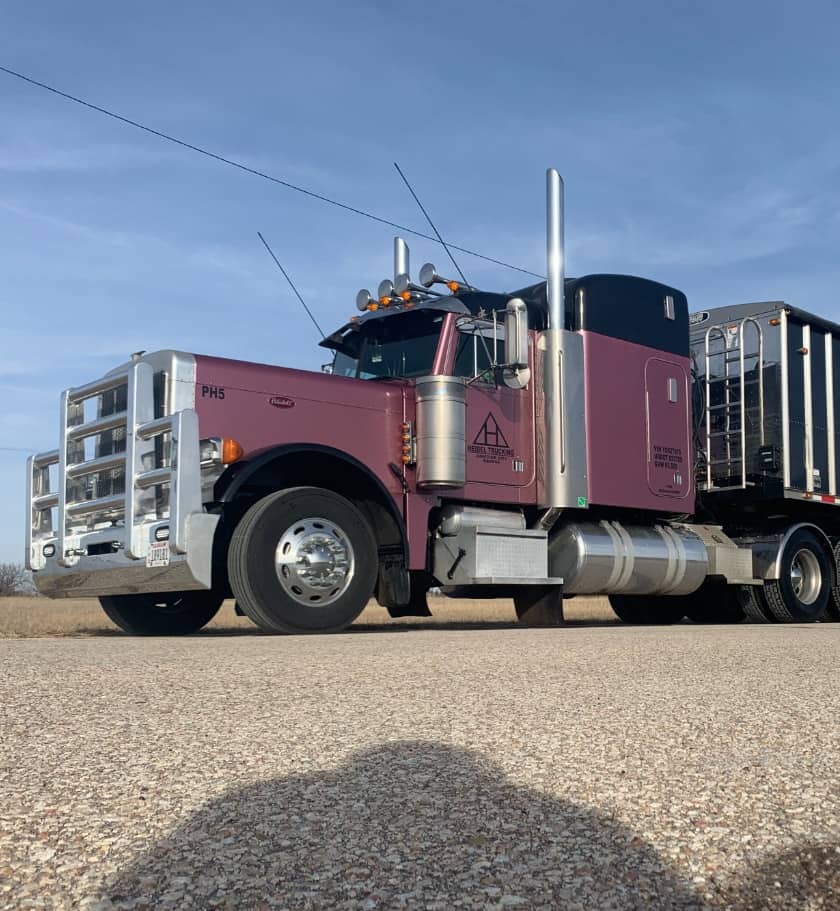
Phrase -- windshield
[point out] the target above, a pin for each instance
(394, 346)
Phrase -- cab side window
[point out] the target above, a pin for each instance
(474, 355)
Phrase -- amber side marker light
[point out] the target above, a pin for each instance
(405, 431)
(232, 451)
(775, 321)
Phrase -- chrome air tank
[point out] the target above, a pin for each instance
(609, 558)
(441, 431)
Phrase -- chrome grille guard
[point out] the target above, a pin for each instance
(157, 467)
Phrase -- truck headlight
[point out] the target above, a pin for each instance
(219, 451)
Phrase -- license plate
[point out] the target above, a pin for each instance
(158, 554)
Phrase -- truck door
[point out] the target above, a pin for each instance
(500, 421)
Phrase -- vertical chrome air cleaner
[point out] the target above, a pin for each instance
(441, 431)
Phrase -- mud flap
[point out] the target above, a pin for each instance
(539, 605)
(413, 603)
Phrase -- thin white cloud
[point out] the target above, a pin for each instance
(139, 250)
(68, 226)
(29, 157)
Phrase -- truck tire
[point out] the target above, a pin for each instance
(713, 602)
(756, 609)
(648, 610)
(162, 614)
(833, 612)
(802, 592)
(539, 605)
(302, 560)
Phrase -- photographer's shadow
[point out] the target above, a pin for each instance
(407, 825)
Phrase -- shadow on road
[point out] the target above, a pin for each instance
(401, 626)
(416, 825)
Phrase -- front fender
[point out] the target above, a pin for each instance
(239, 475)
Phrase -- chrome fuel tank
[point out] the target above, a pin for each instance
(610, 558)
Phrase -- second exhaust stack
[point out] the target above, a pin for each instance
(564, 471)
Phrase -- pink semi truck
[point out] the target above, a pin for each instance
(578, 436)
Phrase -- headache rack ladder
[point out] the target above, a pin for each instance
(148, 465)
(728, 412)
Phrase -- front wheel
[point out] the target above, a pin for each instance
(162, 614)
(302, 560)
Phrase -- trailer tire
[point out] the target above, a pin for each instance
(802, 592)
(303, 560)
(162, 614)
(648, 610)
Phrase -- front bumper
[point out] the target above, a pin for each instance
(117, 574)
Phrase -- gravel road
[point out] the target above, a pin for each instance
(613, 767)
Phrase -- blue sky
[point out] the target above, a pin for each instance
(699, 144)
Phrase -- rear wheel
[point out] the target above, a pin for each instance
(713, 602)
(754, 604)
(648, 610)
(802, 592)
(162, 614)
(833, 612)
(302, 560)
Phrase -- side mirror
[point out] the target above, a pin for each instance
(516, 373)
(516, 334)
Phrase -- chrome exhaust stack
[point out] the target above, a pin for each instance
(401, 260)
(555, 252)
(564, 471)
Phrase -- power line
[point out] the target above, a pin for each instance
(429, 220)
(291, 284)
(242, 167)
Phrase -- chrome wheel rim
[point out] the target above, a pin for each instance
(314, 562)
(805, 576)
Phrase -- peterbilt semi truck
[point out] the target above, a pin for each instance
(579, 436)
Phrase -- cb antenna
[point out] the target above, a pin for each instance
(432, 224)
(291, 284)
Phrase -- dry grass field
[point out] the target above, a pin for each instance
(35, 617)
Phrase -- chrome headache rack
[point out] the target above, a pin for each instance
(120, 491)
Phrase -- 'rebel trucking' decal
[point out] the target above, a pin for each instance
(281, 401)
(490, 444)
